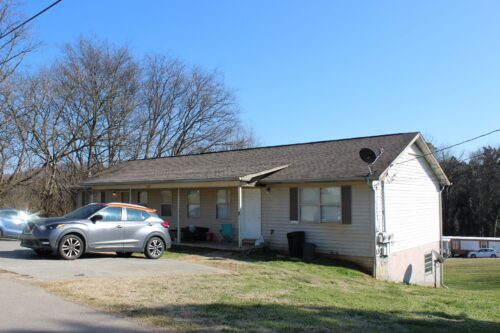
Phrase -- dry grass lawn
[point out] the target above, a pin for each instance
(274, 294)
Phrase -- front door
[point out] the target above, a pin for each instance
(250, 214)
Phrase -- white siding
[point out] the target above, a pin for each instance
(494, 245)
(331, 238)
(411, 202)
(469, 245)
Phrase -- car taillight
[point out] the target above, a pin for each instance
(165, 224)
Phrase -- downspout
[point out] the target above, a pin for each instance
(441, 271)
(373, 226)
(384, 224)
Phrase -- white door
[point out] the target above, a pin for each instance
(250, 214)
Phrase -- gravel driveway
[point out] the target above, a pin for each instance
(17, 259)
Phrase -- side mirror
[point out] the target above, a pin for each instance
(96, 218)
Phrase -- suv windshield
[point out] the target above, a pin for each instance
(84, 212)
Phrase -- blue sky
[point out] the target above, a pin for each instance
(316, 70)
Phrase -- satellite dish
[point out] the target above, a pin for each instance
(368, 155)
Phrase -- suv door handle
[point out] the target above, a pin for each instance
(119, 226)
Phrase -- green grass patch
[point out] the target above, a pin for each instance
(270, 293)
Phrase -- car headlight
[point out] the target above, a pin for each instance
(51, 227)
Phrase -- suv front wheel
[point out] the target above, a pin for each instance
(70, 247)
(154, 248)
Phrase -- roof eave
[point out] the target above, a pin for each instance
(168, 181)
(314, 180)
(429, 157)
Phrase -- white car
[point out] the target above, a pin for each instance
(483, 253)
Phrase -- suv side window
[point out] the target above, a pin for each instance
(111, 214)
(137, 215)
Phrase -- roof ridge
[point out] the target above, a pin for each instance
(275, 146)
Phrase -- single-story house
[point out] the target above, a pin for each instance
(385, 216)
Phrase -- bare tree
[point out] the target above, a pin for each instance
(95, 107)
(13, 48)
(16, 45)
(100, 84)
(185, 110)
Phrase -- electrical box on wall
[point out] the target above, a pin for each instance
(384, 251)
(385, 237)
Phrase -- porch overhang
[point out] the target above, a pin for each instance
(163, 185)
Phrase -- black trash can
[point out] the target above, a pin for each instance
(295, 241)
(309, 251)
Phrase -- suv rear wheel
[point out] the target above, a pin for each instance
(154, 248)
(70, 247)
(493, 255)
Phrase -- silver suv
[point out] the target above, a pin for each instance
(104, 227)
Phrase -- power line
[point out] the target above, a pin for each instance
(30, 19)
(449, 147)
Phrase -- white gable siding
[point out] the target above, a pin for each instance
(330, 238)
(412, 201)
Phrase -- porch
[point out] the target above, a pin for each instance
(230, 247)
(197, 213)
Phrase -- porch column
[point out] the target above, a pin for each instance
(178, 215)
(240, 205)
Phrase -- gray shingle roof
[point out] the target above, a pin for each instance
(315, 161)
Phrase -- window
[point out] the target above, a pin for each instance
(137, 215)
(320, 204)
(99, 196)
(125, 196)
(111, 214)
(193, 203)
(222, 206)
(428, 263)
(142, 197)
(85, 198)
(166, 203)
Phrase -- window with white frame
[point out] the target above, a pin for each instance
(320, 204)
(166, 203)
(194, 207)
(142, 197)
(222, 206)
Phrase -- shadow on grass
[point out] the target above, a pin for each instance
(285, 318)
(263, 256)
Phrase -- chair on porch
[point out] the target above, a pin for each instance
(226, 231)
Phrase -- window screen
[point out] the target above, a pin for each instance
(222, 206)
(166, 203)
(194, 207)
(428, 263)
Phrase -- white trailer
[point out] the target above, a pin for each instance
(461, 245)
